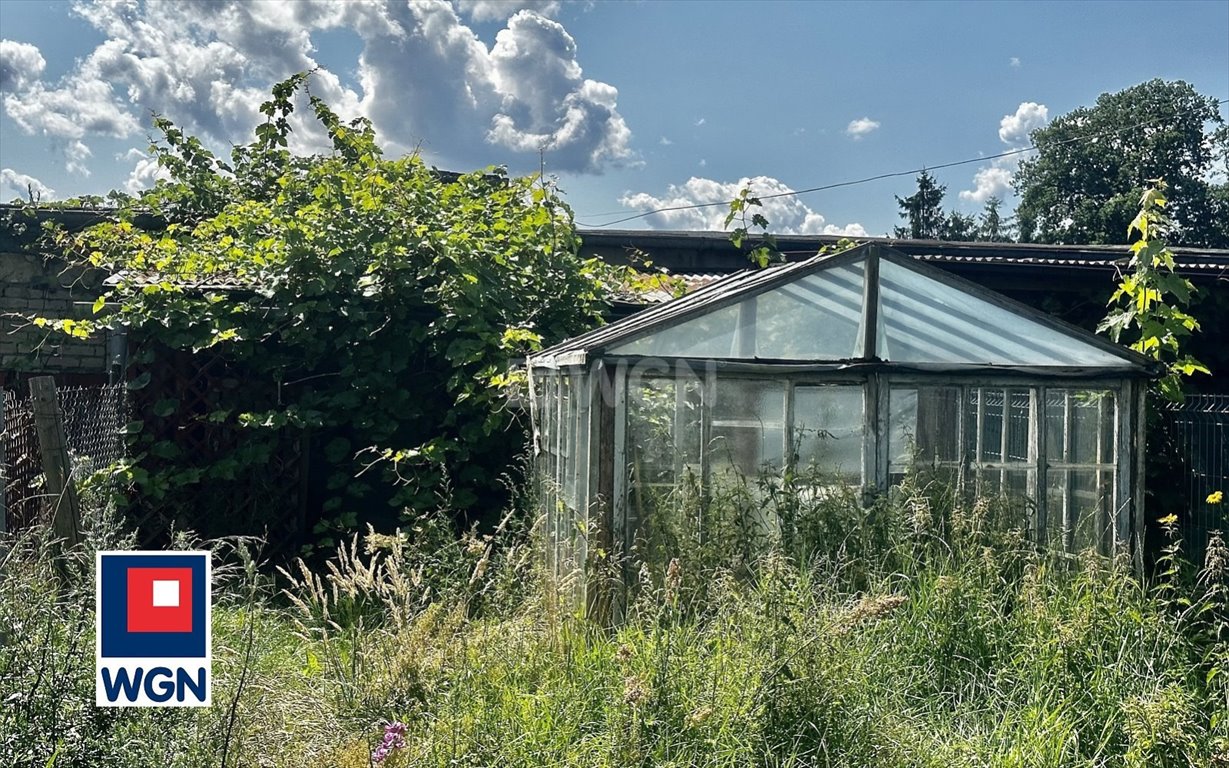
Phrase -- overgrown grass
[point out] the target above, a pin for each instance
(936, 636)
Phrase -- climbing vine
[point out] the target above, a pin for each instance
(743, 209)
(1151, 300)
(376, 302)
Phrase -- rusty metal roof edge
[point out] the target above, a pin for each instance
(906, 245)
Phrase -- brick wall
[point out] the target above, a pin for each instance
(36, 283)
(31, 286)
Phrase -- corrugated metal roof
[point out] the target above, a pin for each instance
(703, 253)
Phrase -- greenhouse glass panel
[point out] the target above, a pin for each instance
(747, 433)
(663, 443)
(928, 321)
(709, 335)
(1013, 483)
(817, 317)
(924, 430)
(1081, 467)
(829, 431)
(997, 424)
(1084, 499)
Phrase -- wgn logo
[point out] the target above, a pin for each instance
(153, 629)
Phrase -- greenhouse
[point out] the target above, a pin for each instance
(860, 368)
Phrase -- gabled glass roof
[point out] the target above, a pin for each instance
(926, 320)
(816, 317)
(818, 311)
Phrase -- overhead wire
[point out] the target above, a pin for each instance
(893, 174)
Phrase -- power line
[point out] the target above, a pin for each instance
(894, 174)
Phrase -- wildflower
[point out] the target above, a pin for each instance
(623, 654)
(1216, 559)
(919, 515)
(474, 546)
(699, 716)
(674, 577)
(394, 738)
(869, 610)
(1216, 497)
(635, 691)
(1167, 520)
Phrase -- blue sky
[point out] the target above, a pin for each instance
(638, 104)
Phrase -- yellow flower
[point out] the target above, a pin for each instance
(1216, 497)
(1167, 519)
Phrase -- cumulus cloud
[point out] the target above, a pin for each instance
(1014, 129)
(1015, 62)
(861, 127)
(145, 174)
(990, 181)
(994, 180)
(21, 64)
(787, 215)
(426, 79)
(19, 185)
(499, 10)
(78, 155)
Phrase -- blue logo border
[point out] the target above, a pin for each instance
(117, 642)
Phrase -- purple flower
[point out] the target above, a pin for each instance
(394, 738)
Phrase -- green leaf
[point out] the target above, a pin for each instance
(133, 427)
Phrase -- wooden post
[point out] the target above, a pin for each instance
(57, 467)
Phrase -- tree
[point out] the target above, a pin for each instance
(958, 226)
(992, 227)
(923, 210)
(927, 221)
(377, 303)
(1093, 164)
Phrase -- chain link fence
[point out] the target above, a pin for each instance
(1200, 429)
(93, 418)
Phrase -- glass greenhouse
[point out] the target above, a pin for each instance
(864, 365)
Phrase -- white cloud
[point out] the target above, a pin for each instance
(665, 142)
(501, 10)
(787, 215)
(1014, 129)
(994, 180)
(19, 185)
(526, 93)
(701, 122)
(144, 174)
(21, 64)
(1015, 62)
(861, 127)
(990, 181)
(853, 229)
(78, 154)
(426, 79)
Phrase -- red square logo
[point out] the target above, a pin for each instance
(159, 599)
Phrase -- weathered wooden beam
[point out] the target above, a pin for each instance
(57, 466)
